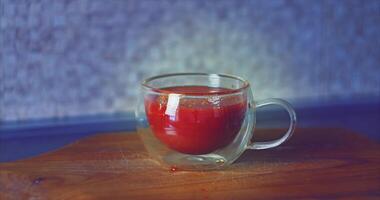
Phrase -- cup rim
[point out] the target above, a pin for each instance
(145, 83)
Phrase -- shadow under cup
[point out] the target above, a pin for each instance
(196, 121)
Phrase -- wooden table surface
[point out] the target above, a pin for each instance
(315, 163)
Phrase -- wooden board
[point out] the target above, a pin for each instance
(315, 163)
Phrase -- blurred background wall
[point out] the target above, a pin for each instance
(69, 58)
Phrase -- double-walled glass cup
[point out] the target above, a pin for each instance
(198, 121)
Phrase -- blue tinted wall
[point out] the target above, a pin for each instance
(69, 58)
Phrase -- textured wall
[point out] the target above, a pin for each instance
(65, 58)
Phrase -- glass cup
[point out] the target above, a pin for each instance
(199, 121)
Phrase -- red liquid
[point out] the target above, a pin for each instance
(196, 125)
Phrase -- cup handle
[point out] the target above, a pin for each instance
(288, 134)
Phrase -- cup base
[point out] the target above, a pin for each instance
(172, 159)
(195, 162)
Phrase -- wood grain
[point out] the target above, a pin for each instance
(315, 163)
